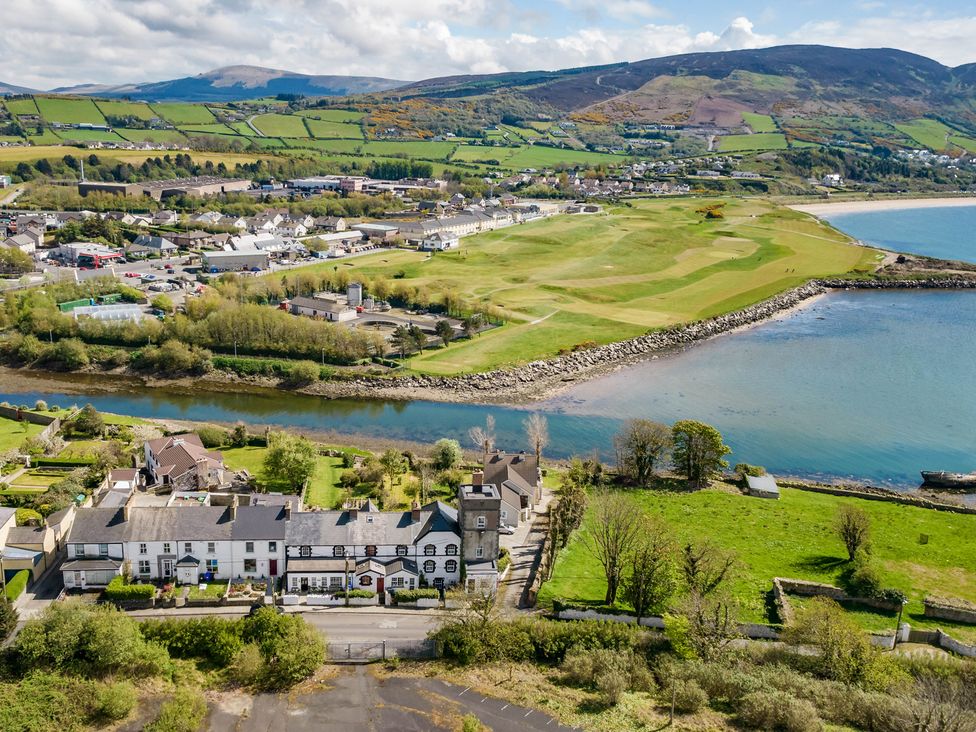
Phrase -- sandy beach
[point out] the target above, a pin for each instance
(844, 207)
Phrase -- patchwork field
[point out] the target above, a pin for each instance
(21, 106)
(759, 122)
(794, 537)
(332, 115)
(571, 279)
(280, 125)
(326, 129)
(181, 113)
(761, 141)
(30, 154)
(88, 135)
(152, 135)
(69, 111)
(115, 108)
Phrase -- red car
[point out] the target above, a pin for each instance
(132, 274)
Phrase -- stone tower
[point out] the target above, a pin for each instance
(479, 509)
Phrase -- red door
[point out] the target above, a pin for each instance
(273, 567)
(379, 589)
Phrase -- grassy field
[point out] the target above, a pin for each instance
(13, 433)
(794, 537)
(759, 122)
(322, 489)
(214, 590)
(762, 141)
(926, 132)
(88, 135)
(21, 106)
(30, 154)
(326, 129)
(152, 135)
(69, 111)
(566, 280)
(119, 108)
(333, 115)
(181, 113)
(37, 481)
(207, 129)
(280, 125)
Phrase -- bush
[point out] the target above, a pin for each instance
(688, 696)
(71, 353)
(745, 469)
(26, 515)
(504, 559)
(247, 668)
(17, 584)
(40, 405)
(119, 590)
(115, 701)
(88, 422)
(185, 712)
(414, 595)
(212, 437)
(355, 593)
(208, 638)
(865, 579)
(446, 454)
(8, 617)
(769, 710)
(609, 672)
(303, 373)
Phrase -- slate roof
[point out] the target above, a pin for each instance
(337, 528)
(90, 564)
(519, 470)
(6, 514)
(98, 526)
(171, 523)
(181, 453)
(26, 535)
(316, 565)
(259, 523)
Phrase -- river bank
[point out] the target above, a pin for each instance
(866, 206)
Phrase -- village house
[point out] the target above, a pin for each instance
(181, 461)
(322, 305)
(330, 223)
(146, 245)
(193, 239)
(165, 217)
(519, 481)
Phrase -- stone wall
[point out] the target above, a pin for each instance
(817, 589)
(26, 416)
(869, 493)
(950, 609)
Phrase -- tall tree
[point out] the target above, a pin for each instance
(418, 337)
(705, 568)
(483, 438)
(698, 451)
(290, 458)
(402, 340)
(610, 537)
(394, 465)
(641, 445)
(537, 431)
(653, 577)
(445, 331)
(853, 526)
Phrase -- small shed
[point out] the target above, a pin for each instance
(762, 486)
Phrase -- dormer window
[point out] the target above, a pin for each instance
(338, 551)
(371, 551)
(430, 550)
(451, 550)
(401, 550)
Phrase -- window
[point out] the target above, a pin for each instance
(211, 547)
(450, 566)
(369, 519)
(212, 565)
(504, 514)
(78, 549)
(430, 566)
(481, 522)
(272, 547)
(338, 551)
(143, 549)
(335, 583)
(305, 551)
(401, 550)
(370, 551)
(365, 580)
(250, 565)
(188, 547)
(451, 550)
(294, 582)
(479, 551)
(144, 566)
(430, 550)
(249, 547)
(167, 548)
(396, 582)
(103, 550)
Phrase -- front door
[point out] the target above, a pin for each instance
(167, 570)
(304, 584)
(273, 567)
(380, 581)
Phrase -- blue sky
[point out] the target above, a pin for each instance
(48, 43)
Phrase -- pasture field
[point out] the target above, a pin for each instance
(152, 135)
(794, 537)
(332, 115)
(326, 129)
(760, 141)
(569, 279)
(21, 106)
(538, 156)
(120, 108)
(929, 133)
(759, 122)
(241, 128)
(267, 142)
(68, 110)
(280, 125)
(88, 135)
(470, 153)
(47, 137)
(211, 129)
(180, 113)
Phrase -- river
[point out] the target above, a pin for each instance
(866, 385)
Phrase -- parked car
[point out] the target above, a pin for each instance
(132, 274)
(503, 529)
(149, 277)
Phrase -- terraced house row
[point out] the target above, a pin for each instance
(358, 547)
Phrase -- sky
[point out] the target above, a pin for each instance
(50, 43)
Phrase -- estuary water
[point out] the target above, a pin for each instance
(867, 385)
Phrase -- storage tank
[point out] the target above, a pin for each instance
(368, 303)
(355, 294)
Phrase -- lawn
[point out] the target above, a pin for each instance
(21, 106)
(761, 141)
(280, 125)
(652, 264)
(38, 480)
(13, 433)
(759, 122)
(80, 448)
(322, 490)
(181, 113)
(123, 419)
(119, 108)
(794, 537)
(214, 590)
(328, 129)
(68, 110)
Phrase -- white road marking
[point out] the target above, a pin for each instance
(462, 693)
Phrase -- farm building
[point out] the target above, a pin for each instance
(235, 261)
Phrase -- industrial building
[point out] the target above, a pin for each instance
(235, 261)
(198, 187)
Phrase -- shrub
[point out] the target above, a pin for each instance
(303, 373)
(185, 712)
(612, 686)
(26, 515)
(865, 579)
(769, 710)
(355, 593)
(208, 638)
(119, 590)
(745, 469)
(247, 668)
(17, 584)
(414, 595)
(40, 405)
(71, 353)
(8, 617)
(609, 672)
(88, 422)
(115, 701)
(446, 454)
(504, 559)
(212, 437)
(688, 696)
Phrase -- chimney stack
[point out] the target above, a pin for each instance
(415, 511)
(233, 508)
(288, 511)
(477, 477)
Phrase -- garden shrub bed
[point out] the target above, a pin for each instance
(17, 584)
(411, 596)
(120, 591)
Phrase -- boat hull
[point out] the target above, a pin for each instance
(942, 479)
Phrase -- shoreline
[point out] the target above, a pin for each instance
(844, 207)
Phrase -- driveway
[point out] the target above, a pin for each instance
(357, 701)
(525, 547)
